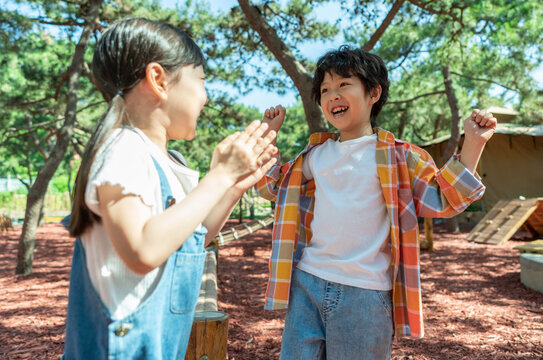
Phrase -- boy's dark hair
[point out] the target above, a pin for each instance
(119, 63)
(346, 62)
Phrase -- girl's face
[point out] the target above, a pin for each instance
(186, 100)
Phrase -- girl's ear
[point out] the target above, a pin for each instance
(156, 78)
(375, 94)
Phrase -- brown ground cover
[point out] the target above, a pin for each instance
(475, 305)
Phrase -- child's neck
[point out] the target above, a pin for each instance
(351, 134)
(149, 119)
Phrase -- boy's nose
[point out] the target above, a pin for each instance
(335, 95)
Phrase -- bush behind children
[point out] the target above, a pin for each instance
(345, 255)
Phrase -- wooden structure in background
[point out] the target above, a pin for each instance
(505, 218)
(535, 246)
(236, 232)
(210, 327)
(428, 242)
(207, 300)
(213, 326)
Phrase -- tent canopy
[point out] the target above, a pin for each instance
(511, 164)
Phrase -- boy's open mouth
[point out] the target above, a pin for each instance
(339, 110)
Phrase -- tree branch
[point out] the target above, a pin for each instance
(384, 25)
(416, 97)
(486, 80)
(33, 138)
(63, 79)
(424, 7)
(31, 102)
(70, 22)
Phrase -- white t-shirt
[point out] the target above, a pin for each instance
(350, 225)
(124, 159)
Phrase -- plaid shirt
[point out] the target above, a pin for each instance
(412, 186)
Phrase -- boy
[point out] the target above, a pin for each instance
(345, 253)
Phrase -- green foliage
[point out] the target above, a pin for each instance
(491, 46)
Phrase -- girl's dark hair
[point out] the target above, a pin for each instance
(119, 63)
(346, 62)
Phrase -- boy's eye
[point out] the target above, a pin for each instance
(343, 84)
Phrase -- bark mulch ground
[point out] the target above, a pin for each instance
(475, 305)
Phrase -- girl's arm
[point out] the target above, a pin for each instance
(144, 241)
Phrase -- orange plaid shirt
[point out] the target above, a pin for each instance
(412, 186)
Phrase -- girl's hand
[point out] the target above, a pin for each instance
(247, 182)
(480, 126)
(274, 117)
(242, 154)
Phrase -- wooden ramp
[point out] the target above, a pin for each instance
(505, 218)
(236, 232)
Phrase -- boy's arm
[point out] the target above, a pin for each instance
(269, 184)
(449, 190)
(478, 129)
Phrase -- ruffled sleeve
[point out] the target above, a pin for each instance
(122, 160)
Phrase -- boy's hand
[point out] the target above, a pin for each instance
(274, 117)
(480, 126)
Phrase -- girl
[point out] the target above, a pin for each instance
(140, 218)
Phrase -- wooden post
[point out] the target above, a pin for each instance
(208, 336)
(428, 243)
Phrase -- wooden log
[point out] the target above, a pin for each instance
(207, 300)
(208, 336)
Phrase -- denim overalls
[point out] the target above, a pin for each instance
(159, 328)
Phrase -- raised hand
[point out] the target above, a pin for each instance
(274, 117)
(480, 126)
(244, 153)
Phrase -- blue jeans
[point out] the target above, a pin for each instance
(327, 320)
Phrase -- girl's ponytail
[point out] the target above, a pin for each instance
(80, 219)
(119, 63)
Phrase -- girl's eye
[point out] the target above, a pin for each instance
(323, 91)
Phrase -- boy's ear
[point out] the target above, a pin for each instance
(375, 94)
(156, 78)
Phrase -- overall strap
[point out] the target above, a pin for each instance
(178, 156)
(167, 195)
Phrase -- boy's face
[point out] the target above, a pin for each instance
(346, 105)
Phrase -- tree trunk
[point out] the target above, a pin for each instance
(36, 194)
(302, 78)
(452, 145)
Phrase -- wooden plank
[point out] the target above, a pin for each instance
(483, 224)
(503, 220)
(509, 223)
(532, 247)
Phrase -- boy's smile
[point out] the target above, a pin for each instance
(346, 105)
